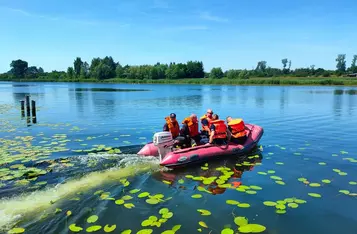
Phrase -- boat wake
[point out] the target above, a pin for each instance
(14, 209)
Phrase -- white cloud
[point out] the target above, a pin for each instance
(208, 16)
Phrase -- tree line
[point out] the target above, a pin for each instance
(107, 68)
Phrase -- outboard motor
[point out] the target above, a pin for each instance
(164, 142)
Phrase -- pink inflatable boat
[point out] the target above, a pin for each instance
(170, 157)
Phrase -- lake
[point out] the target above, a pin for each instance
(76, 168)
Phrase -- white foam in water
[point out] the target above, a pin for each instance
(14, 208)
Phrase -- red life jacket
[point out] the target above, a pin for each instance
(220, 129)
(238, 128)
(174, 128)
(192, 127)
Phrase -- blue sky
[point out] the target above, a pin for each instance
(229, 33)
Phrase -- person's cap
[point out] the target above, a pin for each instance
(172, 115)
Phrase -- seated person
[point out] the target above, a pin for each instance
(190, 131)
(172, 125)
(236, 130)
(205, 122)
(219, 133)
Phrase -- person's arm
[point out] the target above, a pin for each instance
(229, 135)
(212, 132)
(205, 125)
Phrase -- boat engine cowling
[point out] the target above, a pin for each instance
(164, 142)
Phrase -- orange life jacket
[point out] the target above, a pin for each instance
(192, 127)
(220, 129)
(174, 128)
(206, 128)
(238, 128)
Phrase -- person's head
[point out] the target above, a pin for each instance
(193, 118)
(172, 117)
(209, 113)
(215, 117)
(229, 119)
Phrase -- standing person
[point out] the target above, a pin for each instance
(219, 133)
(205, 122)
(190, 131)
(236, 127)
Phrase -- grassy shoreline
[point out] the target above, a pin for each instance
(303, 81)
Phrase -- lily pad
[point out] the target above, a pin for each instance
(227, 231)
(280, 182)
(16, 230)
(251, 192)
(254, 228)
(299, 201)
(196, 196)
(129, 205)
(280, 211)
(167, 215)
(345, 192)
(322, 163)
(293, 205)
(243, 205)
(145, 231)
(276, 178)
(342, 173)
(152, 201)
(315, 184)
(271, 171)
(314, 195)
(92, 219)
(352, 183)
(202, 224)
(134, 191)
(256, 187)
(204, 212)
(232, 202)
(241, 221)
(302, 179)
(163, 211)
(269, 203)
(111, 228)
(261, 173)
(75, 228)
(143, 194)
(181, 181)
(119, 202)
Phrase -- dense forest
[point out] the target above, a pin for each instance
(106, 68)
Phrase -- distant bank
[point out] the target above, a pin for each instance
(346, 81)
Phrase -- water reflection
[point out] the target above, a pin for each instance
(337, 103)
(105, 104)
(259, 96)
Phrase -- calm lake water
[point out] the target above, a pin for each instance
(68, 167)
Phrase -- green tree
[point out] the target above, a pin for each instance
(18, 68)
(284, 62)
(341, 63)
(119, 71)
(216, 73)
(31, 72)
(353, 67)
(77, 64)
(102, 71)
(70, 72)
(40, 70)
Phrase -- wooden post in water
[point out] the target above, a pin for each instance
(28, 105)
(33, 106)
(22, 108)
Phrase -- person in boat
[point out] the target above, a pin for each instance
(190, 131)
(205, 122)
(219, 132)
(236, 128)
(172, 125)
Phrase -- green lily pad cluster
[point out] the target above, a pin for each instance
(152, 221)
(94, 228)
(238, 204)
(244, 226)
(341, 173)
(352, 160)
(123, 201)
(282, 205)
(249, 189)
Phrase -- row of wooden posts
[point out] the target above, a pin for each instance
(29, 109)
